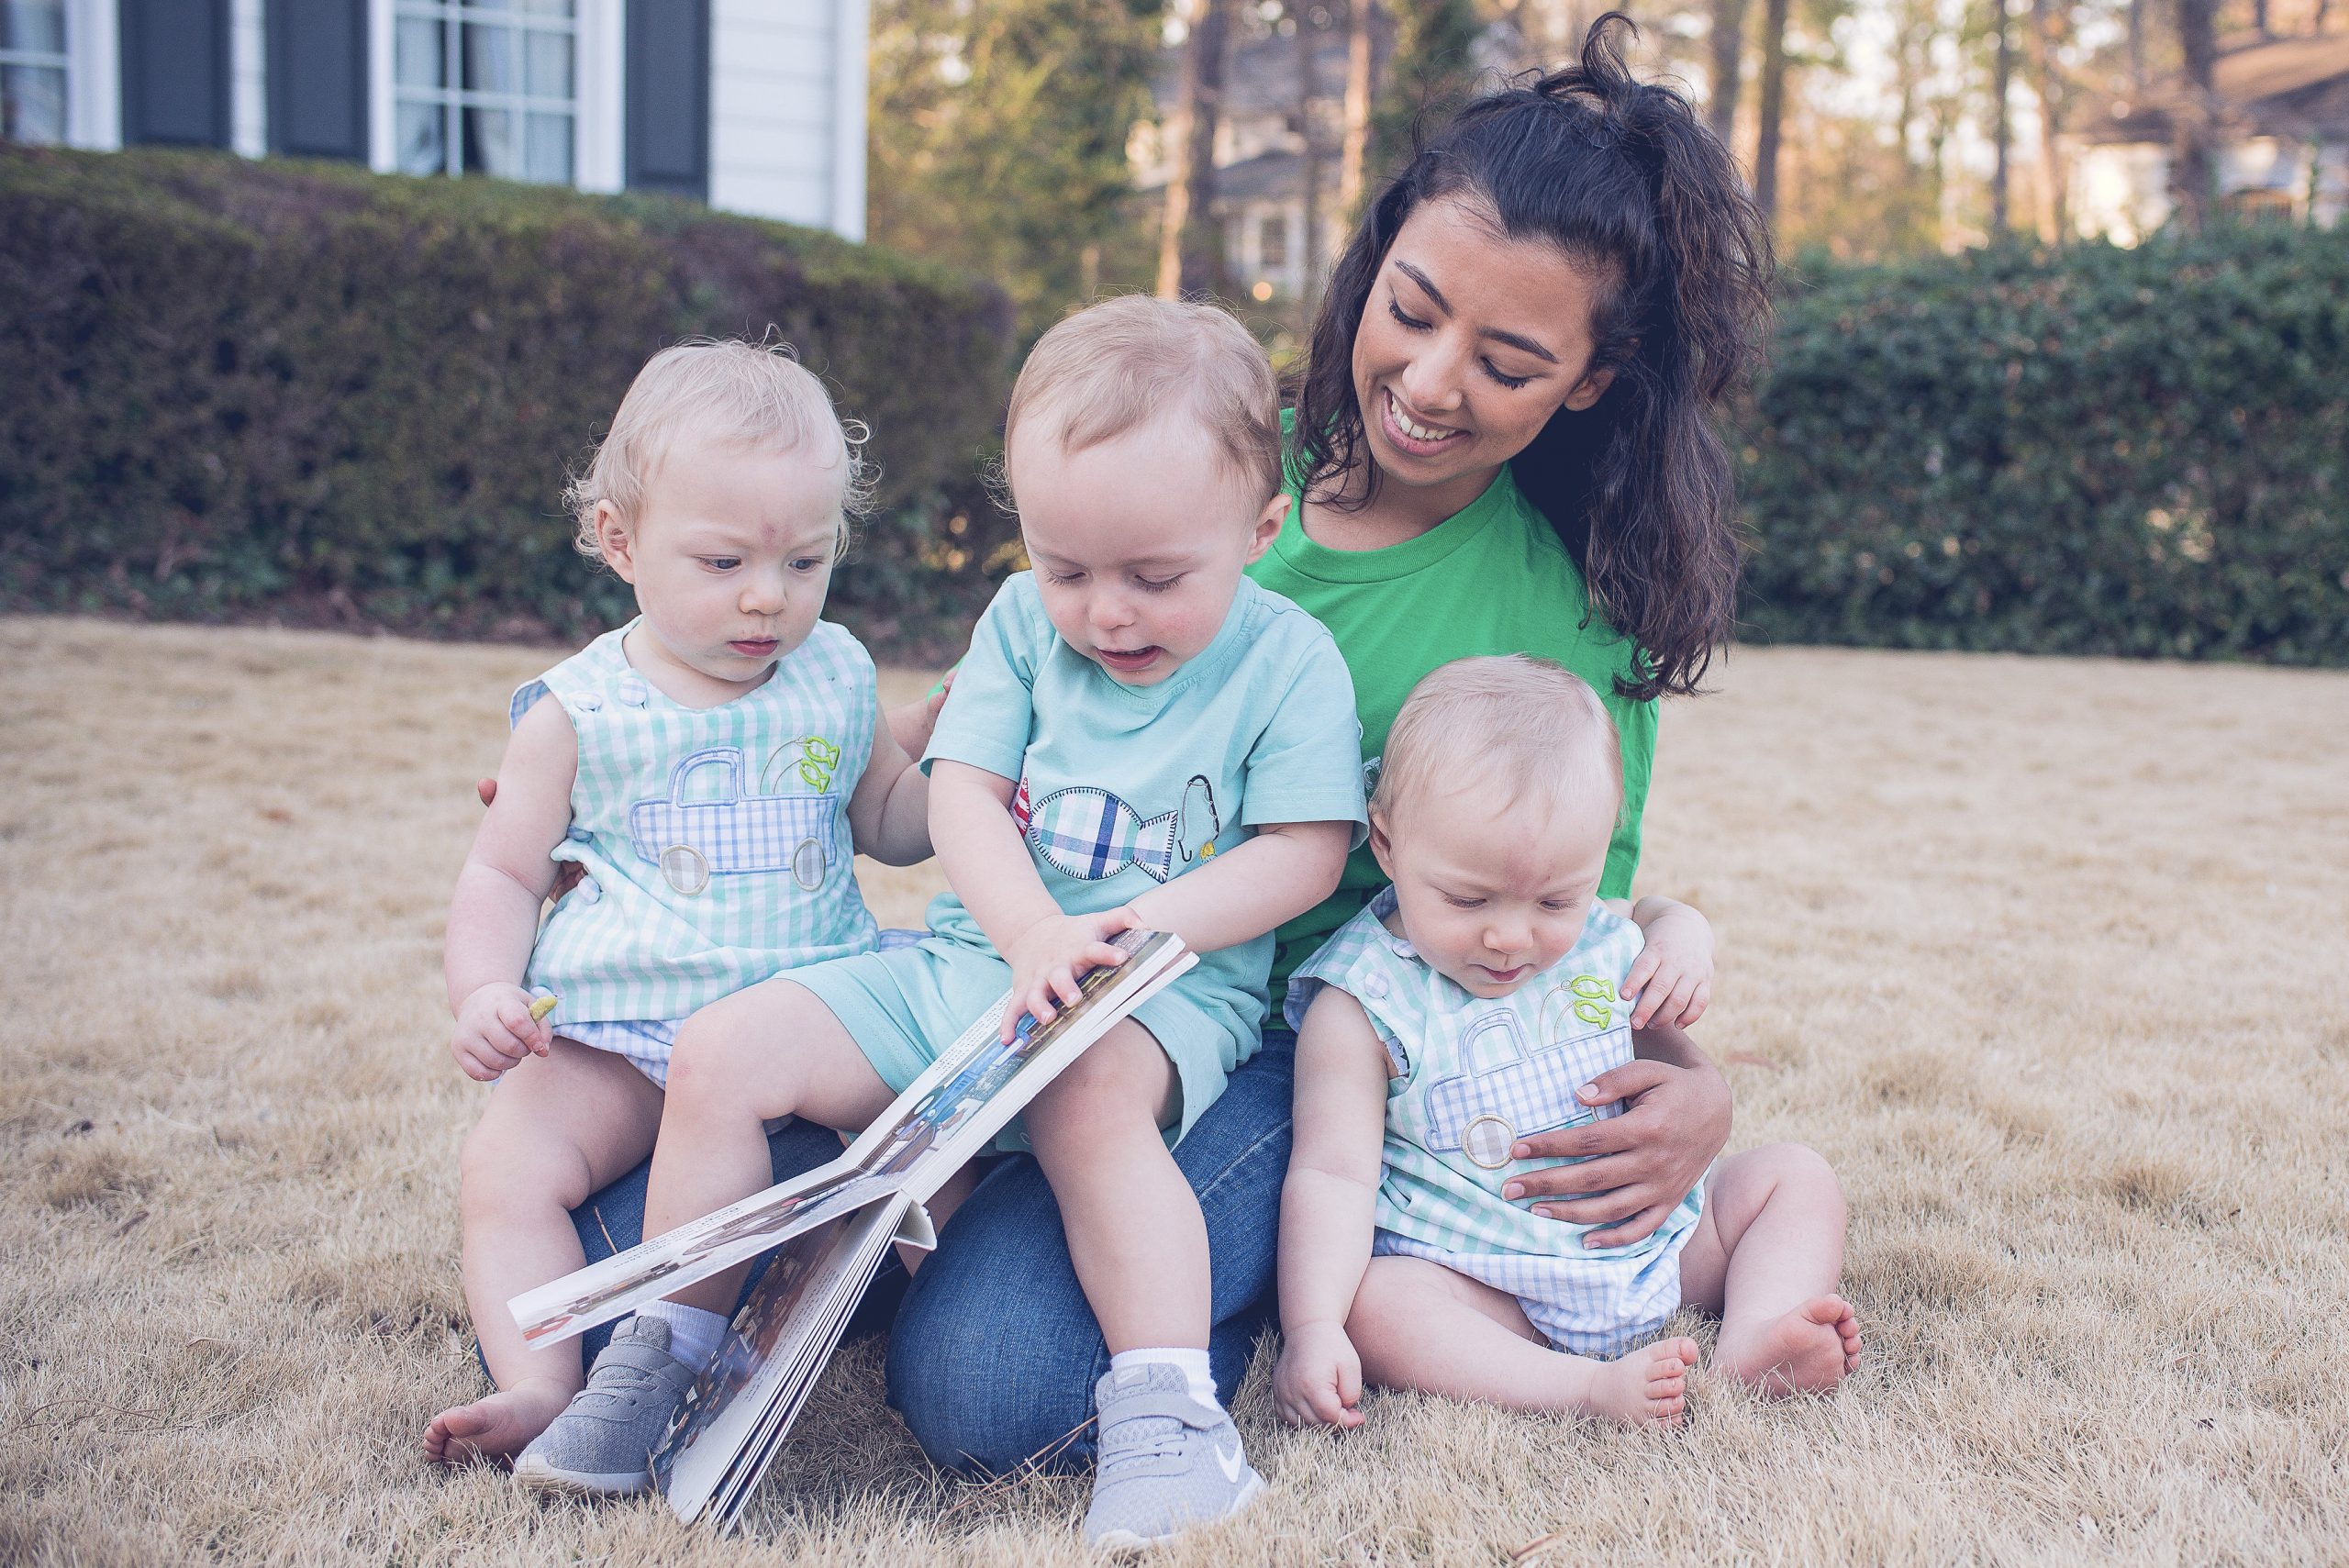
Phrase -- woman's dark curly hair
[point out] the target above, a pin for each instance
(1626, 180)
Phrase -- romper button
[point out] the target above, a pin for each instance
(587, 702)
(631, 692)
(1374, 987)
(577, 834)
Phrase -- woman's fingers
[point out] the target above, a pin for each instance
(1638, 1227)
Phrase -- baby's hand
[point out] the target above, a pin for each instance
(1672, 980)
(495, 1030)
(1049, 958)
(1318, 1380)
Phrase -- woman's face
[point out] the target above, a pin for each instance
(1469, 341)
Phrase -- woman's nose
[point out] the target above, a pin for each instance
(1431, 380)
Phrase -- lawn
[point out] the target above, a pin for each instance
(2046, 956)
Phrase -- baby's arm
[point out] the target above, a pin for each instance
(494, 916)
(987, 865)
(1329, 1210)
(888, 815)
(1672, 980)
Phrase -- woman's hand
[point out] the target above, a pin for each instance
(1318, 1380)
(1635, 1168)
(1050, 957)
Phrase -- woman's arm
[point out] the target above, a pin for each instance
(1329, 1210)
(494, 914)
(1640, 1164)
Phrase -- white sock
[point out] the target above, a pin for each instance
(1194, 1365)
(694, 1334)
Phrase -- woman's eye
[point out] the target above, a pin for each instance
(1512, 382)
(1413, 322)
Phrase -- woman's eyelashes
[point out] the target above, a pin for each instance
(1500, 377)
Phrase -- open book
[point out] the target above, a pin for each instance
(832, 1226)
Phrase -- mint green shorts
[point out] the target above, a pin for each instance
(905, 1007)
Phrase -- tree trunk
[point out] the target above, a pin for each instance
(1773, 108)
(1308, 155)
(2137, 43)
(2048, 88)
(2195, 113)
(2002, 77)
(1729, 50)
(1190, 241)
(2259, 17)
(1360, 91)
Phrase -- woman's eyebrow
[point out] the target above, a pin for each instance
(1514, 340)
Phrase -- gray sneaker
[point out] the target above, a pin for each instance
(602, 1443)
(1168, 1462)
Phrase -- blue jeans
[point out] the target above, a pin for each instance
(994, 1352)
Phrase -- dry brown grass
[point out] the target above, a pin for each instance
(2047, 956)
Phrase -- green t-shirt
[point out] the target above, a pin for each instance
(1490, 579)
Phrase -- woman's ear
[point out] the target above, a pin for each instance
(1591, 388)
(1268, 526)
(614, 543)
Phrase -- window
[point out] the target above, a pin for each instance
(1272, 241)
(487, 88)
(33, 64)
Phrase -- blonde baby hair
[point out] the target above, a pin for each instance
(1518, 723)
(758, 395)
(1113, 365)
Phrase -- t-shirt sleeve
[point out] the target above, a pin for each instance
(991, 710)
(1636, 724)
(1306, 765)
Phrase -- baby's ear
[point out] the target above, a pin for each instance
(1269, 519)
(1382, 847)
(614, 543)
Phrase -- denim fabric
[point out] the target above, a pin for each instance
(994, 1352)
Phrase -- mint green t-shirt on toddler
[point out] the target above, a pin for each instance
(1492, 578)
(1122, 788)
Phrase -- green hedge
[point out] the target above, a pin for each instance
(231, 388)
(2094, 450)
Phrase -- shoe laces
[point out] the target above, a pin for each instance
(1140, 1439)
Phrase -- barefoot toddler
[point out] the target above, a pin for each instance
(710, 767)
(1463, 1012)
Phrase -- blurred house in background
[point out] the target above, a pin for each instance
(755, 106)
(2283, 140)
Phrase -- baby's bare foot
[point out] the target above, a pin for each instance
(1811, 1348)
(1647, 1388)
(496, 1427)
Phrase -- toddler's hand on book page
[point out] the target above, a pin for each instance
(1318, 1380)
(1050, 957)
(1672, 980)
(495, 1030)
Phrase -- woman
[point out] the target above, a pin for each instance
(1500, 443)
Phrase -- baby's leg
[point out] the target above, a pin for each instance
(556, 1128)
(771, 1051)
(1416, 1324)
(1134, 1229)
(1767, 1257)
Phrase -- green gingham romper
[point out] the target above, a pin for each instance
(1469, 1076)
(714, 841)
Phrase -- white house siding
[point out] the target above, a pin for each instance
(248, 84)
(786, 131)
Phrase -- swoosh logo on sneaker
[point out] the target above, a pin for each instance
(1231, 1463)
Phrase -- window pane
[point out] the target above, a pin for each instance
(491, 62)
(546, 146)
(545, 64)
(550, 8)
(35, 25)
(423, 139)
(417, 53)
(32, 104)
(489, 144)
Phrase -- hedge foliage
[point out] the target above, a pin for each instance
(2094, 450)
(228, 387)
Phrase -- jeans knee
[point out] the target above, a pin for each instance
(973, 1415)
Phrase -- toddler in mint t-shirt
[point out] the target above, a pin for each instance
(1139, 738)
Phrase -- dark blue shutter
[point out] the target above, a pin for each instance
(318, 78)
(668, 97)
(175, 72)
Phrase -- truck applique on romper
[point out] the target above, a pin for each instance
(731, 833)
(1508, 1092)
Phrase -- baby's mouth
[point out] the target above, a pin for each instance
(1127, 657)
